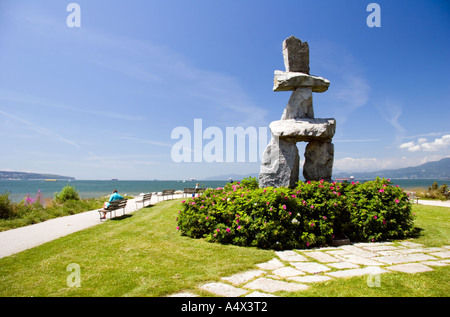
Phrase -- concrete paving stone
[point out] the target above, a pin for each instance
(410, 268)
(322, 257)
(270, 265)
(433, 249)
(411, 244)
(435, 263)
(410, 250)
(290, 256)
(356, 259)
(446, 247)
(344, 265)
(272, 286)
(442, 254)
(397, 259)
(337, 253)
(358, 272)
(388, 253)
(310, 267)
(309, 278)
(358, 251)
(223, 289)
(319, 249)
(241, 278)
(368, 244)
(183, 295)
(377, 248)
(259, 294)
(273, 276)
(287, 272)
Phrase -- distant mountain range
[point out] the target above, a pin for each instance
(29, 176)
(431, 170)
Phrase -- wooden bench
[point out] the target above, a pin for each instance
(191, 191)
(143, 199)
(113, 206)
(167, 192)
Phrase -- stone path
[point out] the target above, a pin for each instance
(297, 270)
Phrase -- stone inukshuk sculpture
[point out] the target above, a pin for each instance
(280, 163)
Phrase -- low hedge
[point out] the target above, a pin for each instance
(310, 215)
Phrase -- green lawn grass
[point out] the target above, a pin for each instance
(143, 255)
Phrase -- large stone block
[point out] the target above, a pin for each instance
(304, 130)
(300, 105)
(280, 164)
(296, 55)
(318, 161)
(289, 81)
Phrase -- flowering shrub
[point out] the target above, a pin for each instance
(306, 216)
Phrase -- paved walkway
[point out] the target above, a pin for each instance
(434, 202)
(297, 270)
(17, 240)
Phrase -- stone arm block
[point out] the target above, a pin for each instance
(304, 130)
(289, 81)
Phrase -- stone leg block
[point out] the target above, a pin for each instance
(280, 164)
(318, 161)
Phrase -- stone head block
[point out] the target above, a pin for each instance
(296, 55)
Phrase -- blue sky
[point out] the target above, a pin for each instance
(101, 101)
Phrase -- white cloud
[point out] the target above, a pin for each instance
(422, 144)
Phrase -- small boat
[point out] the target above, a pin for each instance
(345, 178)
(50, 180)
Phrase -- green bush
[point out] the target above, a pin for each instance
(309, 215)
(66, 194)
(6, 207)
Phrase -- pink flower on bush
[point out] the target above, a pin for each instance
(324, 217)
(218, 230)
(284, 207)
(312, 206)
(375, 217)
(228, 230)
(381, 191)
(307, 244)
(178, 228)
(312, 224)
(239, 227)
(397, 201)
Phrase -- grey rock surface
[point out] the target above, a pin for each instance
(304, 130)
(296, 55)
(318, 161)
(289, 81)
(280, 164)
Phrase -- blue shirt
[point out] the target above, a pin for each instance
(115, 196)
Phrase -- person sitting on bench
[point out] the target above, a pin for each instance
(113, 197)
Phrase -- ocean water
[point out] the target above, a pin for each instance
(18, 189)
